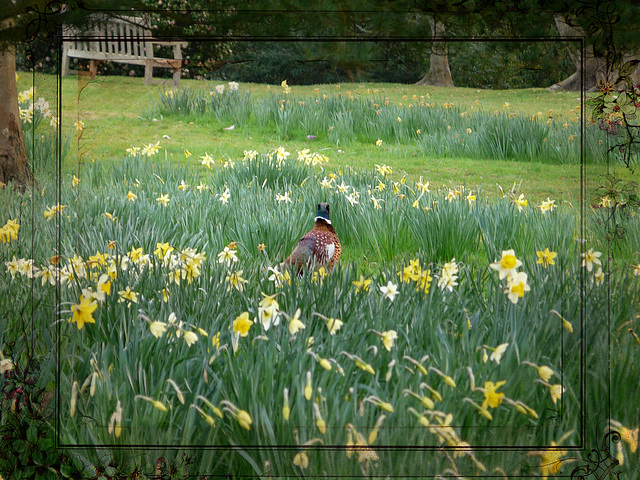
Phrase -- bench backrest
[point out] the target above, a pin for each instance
(117, 38)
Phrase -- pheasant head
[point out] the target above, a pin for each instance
(323, 213)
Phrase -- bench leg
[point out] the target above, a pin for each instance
(148, 73)
(65, 61)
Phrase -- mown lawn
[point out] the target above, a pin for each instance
(118, 113)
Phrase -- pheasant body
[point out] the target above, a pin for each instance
(319, 248)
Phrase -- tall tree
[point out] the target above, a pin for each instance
(13, 157)
(439, 74)
(590, 65)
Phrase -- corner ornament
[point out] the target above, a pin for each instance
(601, 464)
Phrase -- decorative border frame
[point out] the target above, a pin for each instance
(600, 462)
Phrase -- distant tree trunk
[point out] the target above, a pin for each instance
(593, 67)
(14, 166)
(439, 73)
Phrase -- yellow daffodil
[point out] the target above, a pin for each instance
(628, 435)
(384, 170)
(156, 403)
(269, 301)
(498, 352)
(388, 339)
(565, 323)
(165, 295)
(268, 311)
(190, 338)
(520, 202)
(516, 286)
(425, 401)
(286, 410)
(235, 280)
(281, 153)
(301, 460)
(320, 423)
(207, 418)
(333, 325)
(386, 406)
(591, 258)
(133, 151)
(241, 416)
(83, 312)
(99, 259)
(547, 206)
(127, 295)
(150, 149)
(308, 389)
(227, 256)
(491, 397)
(507, 264)
(207, 160)
(424, 281)
(157, 328)
(373, 434)
(163, 199)
(242, 324)
(599, 277)
(362, 284)
(551, 460)
(556, 392)
(295, 325)
(115, 422)
(471, 198)
(546, 258)
(545, 373)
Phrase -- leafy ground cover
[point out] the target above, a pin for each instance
(460, 315)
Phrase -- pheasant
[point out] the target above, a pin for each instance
(319, 248)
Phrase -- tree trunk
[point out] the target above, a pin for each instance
(439, 74)
(593, 67)
(14, 166)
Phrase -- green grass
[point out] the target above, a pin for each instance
(111, 126)
(440, 329)
(130, 362)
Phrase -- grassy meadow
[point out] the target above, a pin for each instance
(122, 112)
(473, 326)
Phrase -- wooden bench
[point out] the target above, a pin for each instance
(123, 40)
